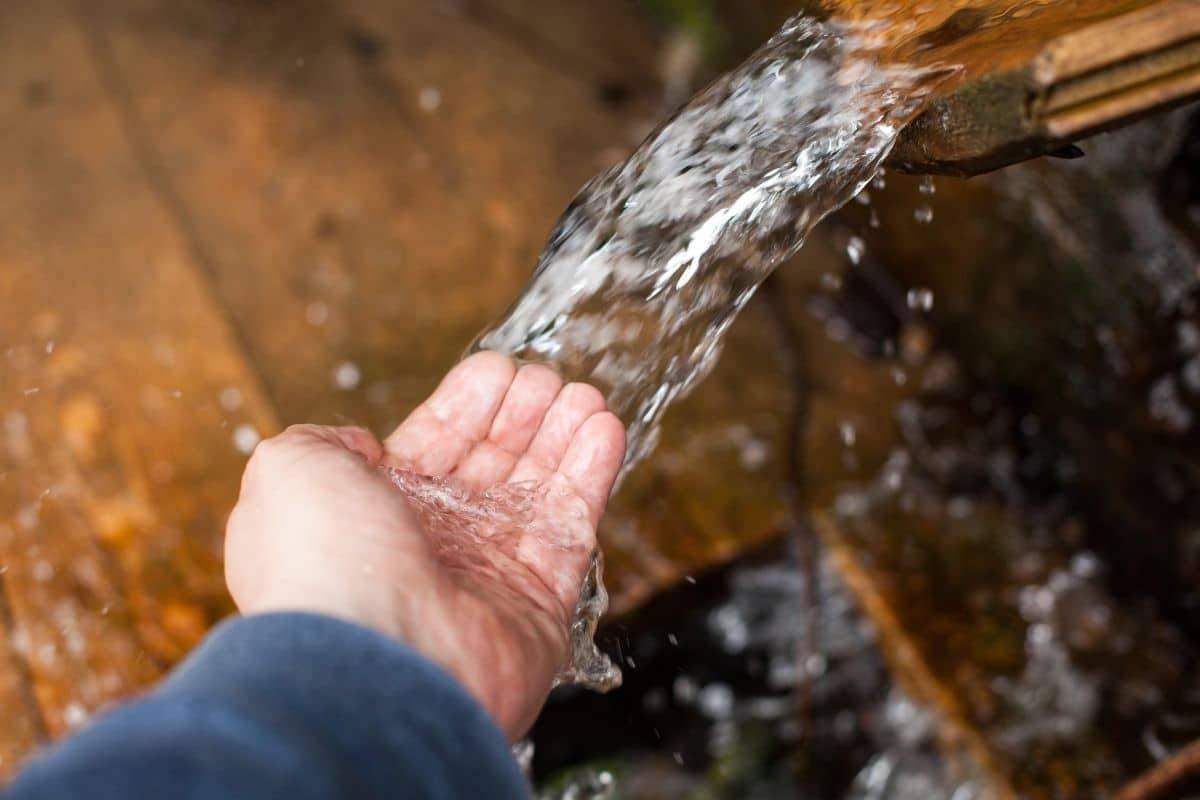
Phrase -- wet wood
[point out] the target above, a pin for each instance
(118, 461)
(961, 741)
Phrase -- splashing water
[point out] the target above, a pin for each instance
(652, 261)
(523, 528)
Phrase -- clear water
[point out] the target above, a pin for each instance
(511, 533)
(652, 261)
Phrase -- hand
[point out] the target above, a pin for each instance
(479, 567)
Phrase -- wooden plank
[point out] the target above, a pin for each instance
(23, 727)
(118, 457)
(351, 163)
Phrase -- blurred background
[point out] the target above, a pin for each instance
(220, 217)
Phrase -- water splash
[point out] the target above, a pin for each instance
(508, 542)
(652, 261)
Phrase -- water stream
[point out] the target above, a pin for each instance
(652, 261)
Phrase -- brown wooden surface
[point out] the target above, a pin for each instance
(210, 205)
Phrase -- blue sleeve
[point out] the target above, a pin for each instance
(287, 706)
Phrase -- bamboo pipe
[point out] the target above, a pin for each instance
(1087, 77)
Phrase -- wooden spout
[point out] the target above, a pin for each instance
(1057, 75)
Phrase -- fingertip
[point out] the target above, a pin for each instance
(533, 391)
(459, 413)
(540, 377)
(484, 365)
(593, 460)
(584, 398)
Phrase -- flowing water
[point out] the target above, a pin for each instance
(652, 261)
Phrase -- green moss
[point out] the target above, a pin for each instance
(698, 18)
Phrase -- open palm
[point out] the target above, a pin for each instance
(478, 561)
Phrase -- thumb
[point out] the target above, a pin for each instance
(356, 440)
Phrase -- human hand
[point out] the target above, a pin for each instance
(479, 568)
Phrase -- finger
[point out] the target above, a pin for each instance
(593, 460)
(574, 404)
(459, 414)
(525, 405)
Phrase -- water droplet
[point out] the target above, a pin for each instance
(927, 187)
(1085, 565)
(855, 248)
(920, 299)
(849, 434)
(430, 99)
(838, 330)
(246, 438)
(231, 398)
(316, 313)
(716, 701)
(815, 665)
(346, 376)
(754, 454)
(1191, 374)
(1040, 634)
(685, 689)
(879, 183)
(863, 198)
(75, 715)
(50, 346)
(831, 282)
(874, 220)
(923, 215)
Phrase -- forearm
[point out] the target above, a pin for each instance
(288, 705)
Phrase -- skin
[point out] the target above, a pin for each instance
(320, 528)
